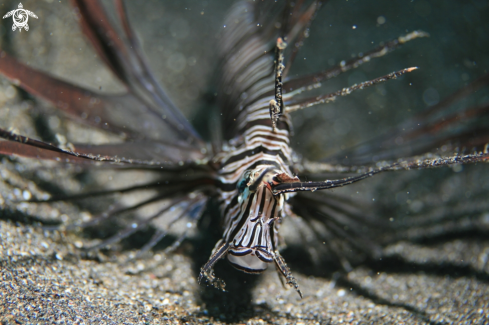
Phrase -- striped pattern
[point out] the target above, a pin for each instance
(252, 228)
(252, 174)
(248, 217)
(257, 154)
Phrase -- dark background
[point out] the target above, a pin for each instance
(438, 276)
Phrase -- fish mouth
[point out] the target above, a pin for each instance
(249, 260)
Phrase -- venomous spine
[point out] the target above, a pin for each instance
(252, 171)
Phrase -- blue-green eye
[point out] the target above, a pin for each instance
(243, 181)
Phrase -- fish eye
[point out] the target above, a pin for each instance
(243, 181)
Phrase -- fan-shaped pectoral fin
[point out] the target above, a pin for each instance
(419, 162)
(207, 271)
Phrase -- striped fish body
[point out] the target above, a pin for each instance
(252, 175)
(251, 226)
(257, 155)
(252, 214)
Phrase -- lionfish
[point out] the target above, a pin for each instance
(249, 169)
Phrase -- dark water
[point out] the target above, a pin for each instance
(179, 38)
